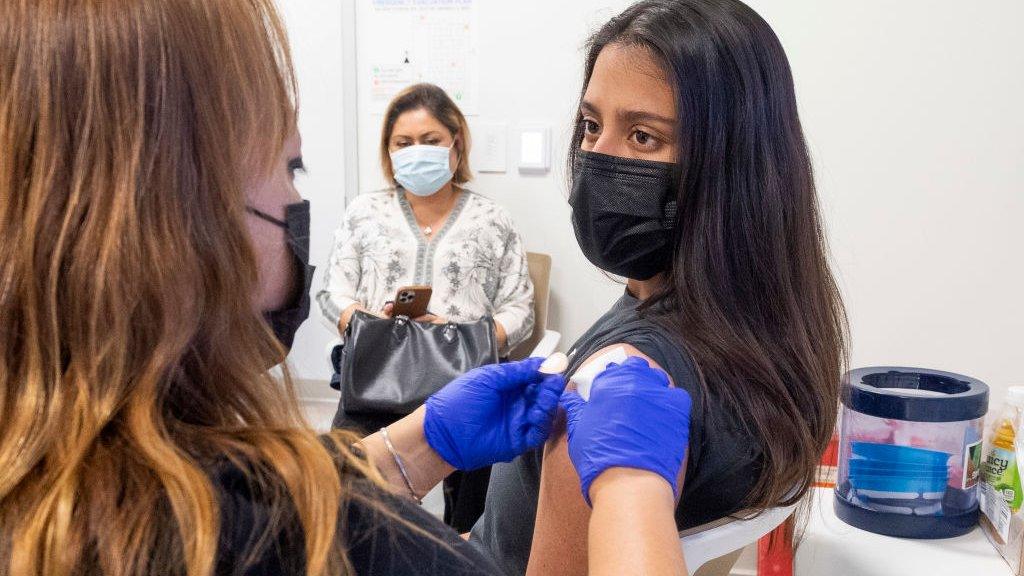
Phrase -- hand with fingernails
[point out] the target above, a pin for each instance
(492, 414)
(634, 419)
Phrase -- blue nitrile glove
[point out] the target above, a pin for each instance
(633, 420)
(492, 414)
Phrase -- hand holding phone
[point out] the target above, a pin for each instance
(411, 301)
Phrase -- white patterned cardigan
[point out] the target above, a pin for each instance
(476, 263)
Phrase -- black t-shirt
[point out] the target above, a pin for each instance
(376, 543)
(723, 459)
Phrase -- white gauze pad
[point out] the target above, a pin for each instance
(584, 377)
(554, 364)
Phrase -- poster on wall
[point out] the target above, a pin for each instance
(410, 41)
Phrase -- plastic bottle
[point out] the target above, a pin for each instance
(1000, 470)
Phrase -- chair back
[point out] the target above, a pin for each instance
(726, 536)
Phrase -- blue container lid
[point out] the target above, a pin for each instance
(914, 394)
(896, 473)
(860, 462)
(897, 484)
(897, 455)
(870, 467)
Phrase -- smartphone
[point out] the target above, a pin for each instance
(412, 301)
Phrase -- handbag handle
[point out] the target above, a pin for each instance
(450, 332)
(400, 325)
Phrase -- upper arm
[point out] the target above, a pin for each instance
(345, 264)
(560, 532)
(344, 271)
(514, 295)
(514, 284)
(347, 246)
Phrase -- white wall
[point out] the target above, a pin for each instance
(912, 110)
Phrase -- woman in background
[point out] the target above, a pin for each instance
(430, 230)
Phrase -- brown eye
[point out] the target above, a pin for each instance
(590, 127)
(296, 165)
(645, 140)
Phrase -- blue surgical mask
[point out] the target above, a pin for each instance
(422, 169)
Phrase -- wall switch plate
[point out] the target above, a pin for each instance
(534, 148)
(489, 152)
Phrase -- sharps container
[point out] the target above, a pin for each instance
(910, 451)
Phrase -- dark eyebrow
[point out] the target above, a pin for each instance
(630, 116)
(432, 133)
(640, 116)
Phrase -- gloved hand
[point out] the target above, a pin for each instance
(492, 414)
(633, 420)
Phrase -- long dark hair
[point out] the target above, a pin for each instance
(749, 291)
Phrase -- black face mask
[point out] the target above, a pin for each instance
(623, 212)
(286, 321)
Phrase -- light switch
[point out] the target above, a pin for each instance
(490, 147)
(534, 148)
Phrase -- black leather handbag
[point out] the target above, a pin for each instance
(389, 366)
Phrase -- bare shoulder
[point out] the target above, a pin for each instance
(560, 530)
(630, 351)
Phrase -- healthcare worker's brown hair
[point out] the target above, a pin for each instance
(131, 356)
(436, 101)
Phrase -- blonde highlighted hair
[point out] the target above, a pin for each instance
(132, 360)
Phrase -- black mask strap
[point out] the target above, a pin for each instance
(267, 217)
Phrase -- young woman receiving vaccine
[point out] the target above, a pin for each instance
(691, 178)
(428, 229)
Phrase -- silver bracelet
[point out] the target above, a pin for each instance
(401, 465)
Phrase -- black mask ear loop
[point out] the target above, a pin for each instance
(285, 322)
(267, 217)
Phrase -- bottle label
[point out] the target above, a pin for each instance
(1001, 474)
(994, 506)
